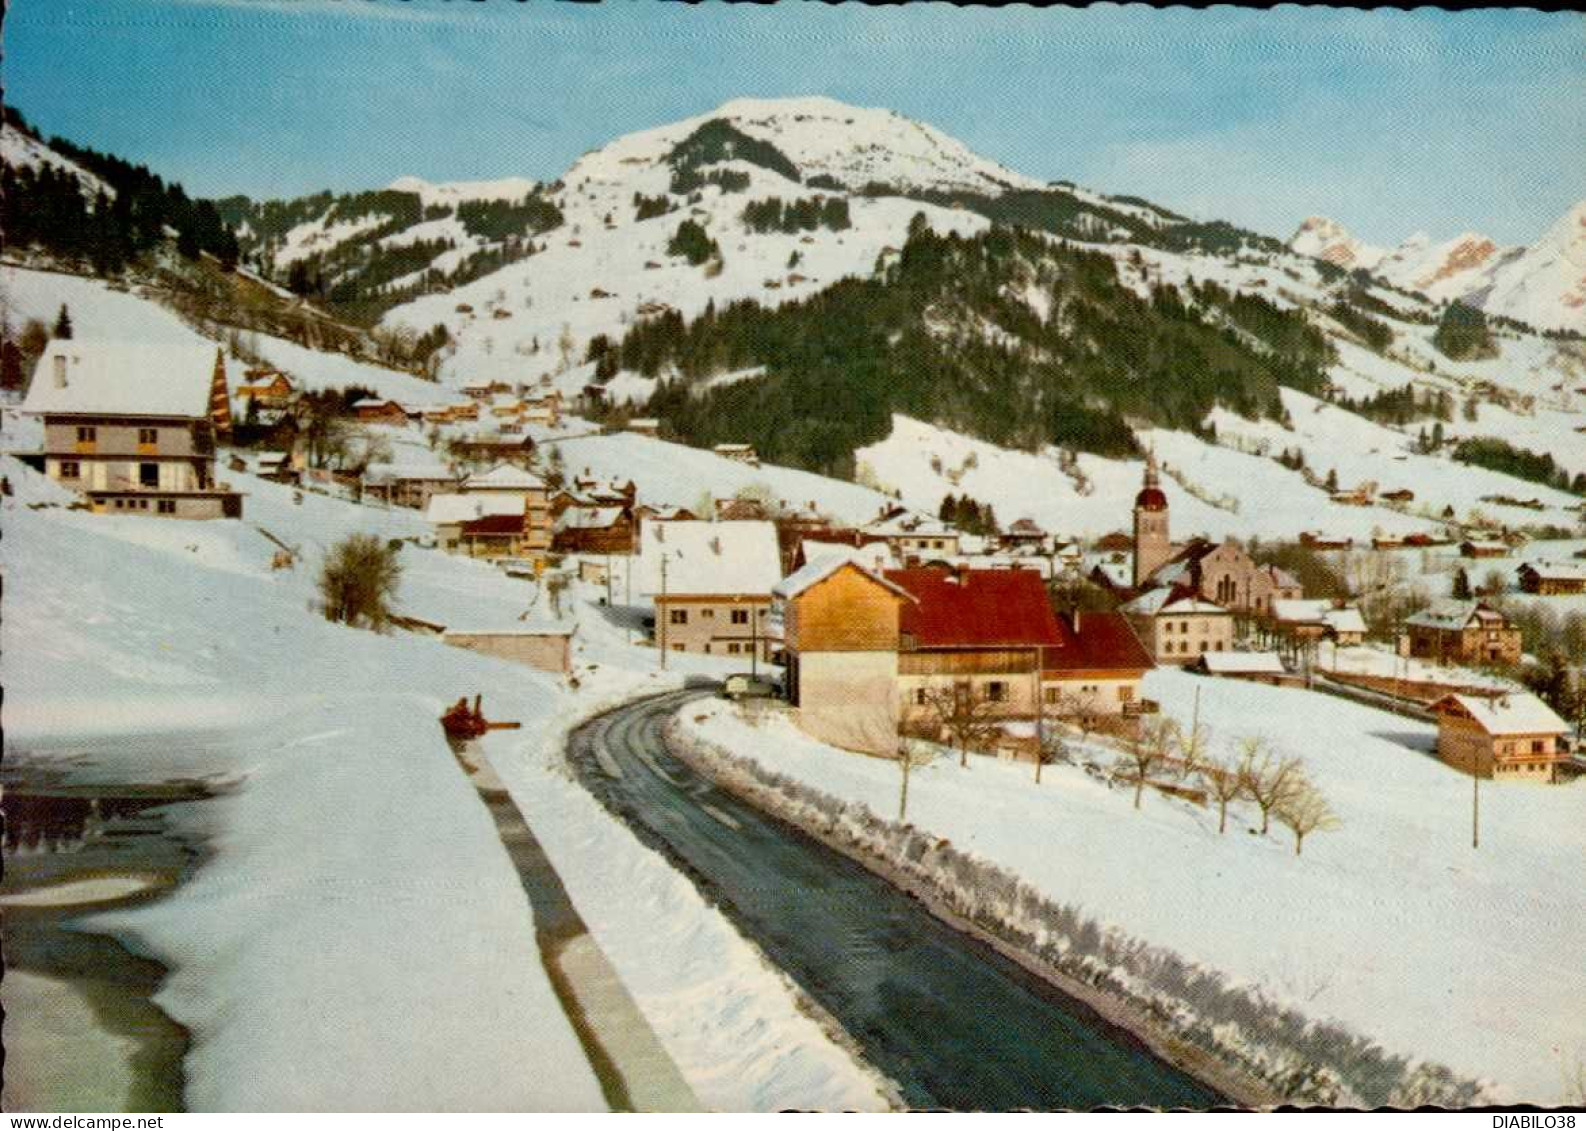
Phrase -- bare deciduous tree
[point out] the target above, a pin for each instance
(1150, 748)
(1050, 747)
(968, 719)
(1224, 782)
(1268, 779)
(912, 751)
(1079, 708)
(1304, 810)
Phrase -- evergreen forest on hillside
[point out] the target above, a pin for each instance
(946, 331)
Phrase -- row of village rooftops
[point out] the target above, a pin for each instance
(874, 617)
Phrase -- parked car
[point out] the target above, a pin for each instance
(742, 685)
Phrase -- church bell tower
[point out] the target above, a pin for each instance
(1152, 546)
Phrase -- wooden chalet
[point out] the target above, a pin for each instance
(1510, 737)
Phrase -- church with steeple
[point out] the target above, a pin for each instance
(1222, 573)
(1152, 545)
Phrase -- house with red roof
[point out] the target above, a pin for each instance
(1096, 671)
(981, 632)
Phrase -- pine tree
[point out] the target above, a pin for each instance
(63, 325)
(1461, 586)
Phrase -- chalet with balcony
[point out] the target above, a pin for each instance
(374, 410)
(1509, 737)
(134, 427)
(1552, 579)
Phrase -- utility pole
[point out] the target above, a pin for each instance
(662, 613)
(1475, 802)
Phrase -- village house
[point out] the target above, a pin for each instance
(1484, 548)
(711, 583)
(494, 448)
(407, 485)
(838, 624)
(1510, 737)
(275, 466)
(874, 556)
(740, 510)
(267, 388)
(374, 410)
(1552, 579)
(981, 633)
(450, 513)
(133, 427)
(1307, 620)
(595, 491)
(662, 512)
(1097, 669)
(1463, 632)
(644, 426)
(739, 453)
(544, 410)
(1177, 625)
(593, 530)
(510, 481)
(1025, 534)
(916, 539)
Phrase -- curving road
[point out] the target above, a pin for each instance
(952, 1022)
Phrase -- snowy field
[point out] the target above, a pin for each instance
(1392, 924)
(357, 882)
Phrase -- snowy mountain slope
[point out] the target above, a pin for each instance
(100, 313)
(24, 151)
(452, 193)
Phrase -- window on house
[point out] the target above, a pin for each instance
(677, 647)
(1125, 693)
(143, 504)
(148, 435)
(1050, 694)
(740, 616)
(708, 614)
(70, 469)
(148, 475)
(1536, 746)
(918, 696)
(87, 435)
(677, 616)
(997, 691)
(1203, 645)
(166, 506)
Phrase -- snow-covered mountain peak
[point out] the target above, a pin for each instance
(819, 135)
(1323, 238)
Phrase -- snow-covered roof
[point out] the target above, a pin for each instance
(875, 555)
(1561, 571)
(449, 508)
(503, 477)
(588, 518)
(912, 525)
(1177, 602)
(1243, 663)
(709, 557)
(821, 568)
(374, 402)
(1318, 611)
(399, 472)
(1450, 614)
(123, 379)
(1518, 713)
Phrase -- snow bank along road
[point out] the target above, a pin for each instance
(952, 1022)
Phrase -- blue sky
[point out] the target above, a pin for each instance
(1387, 121)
